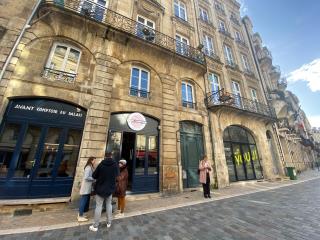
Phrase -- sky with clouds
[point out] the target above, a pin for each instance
(290, 29)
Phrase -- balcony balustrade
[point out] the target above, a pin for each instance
(109, 18)
(221, 99)
(56, 75)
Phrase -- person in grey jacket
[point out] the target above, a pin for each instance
(85, 189)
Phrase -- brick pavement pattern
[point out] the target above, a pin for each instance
(286, 213)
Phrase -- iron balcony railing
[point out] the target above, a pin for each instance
(235, 20)
(122, 23)
(241, 42)
(189, 104)
(225, 32)
(56, 75)
(222, 98)
(138, 92)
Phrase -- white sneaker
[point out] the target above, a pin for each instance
(108, 225)
(119, 215)
(93, 228)
(82, 219)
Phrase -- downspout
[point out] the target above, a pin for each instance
(274, 125)
(208, 113)
(25, 27)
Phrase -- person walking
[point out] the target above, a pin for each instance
(204, 176)
(121, 187)
(85, 189)
(105, 175)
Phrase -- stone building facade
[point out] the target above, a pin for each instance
(159, 83)
(293, 130)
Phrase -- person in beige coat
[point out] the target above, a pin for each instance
(204, 176)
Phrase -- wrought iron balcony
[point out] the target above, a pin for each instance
(98, 13)
(211, 54)
(225, 32)
(138, 92)
(221, 99)
(241, 42)
(56, 75)
(283, 124)
(232, 65)
(235, 20)
(189, 104)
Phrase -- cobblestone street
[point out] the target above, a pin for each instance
(286, 213)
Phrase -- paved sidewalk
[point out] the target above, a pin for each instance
(66, 217)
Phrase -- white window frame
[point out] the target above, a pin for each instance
(207, 50)
(204, 15)
(69, 47)
(145, 21)
(139, 83)
(254, 95)
(180, 5)
(186, 88)
(245, 62)
(95, 3)
(228, 54)
(212, 77)
(184, 49)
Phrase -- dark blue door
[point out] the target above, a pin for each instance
(38, 154)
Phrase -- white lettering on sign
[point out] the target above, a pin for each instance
(136, 121)
(48, 110)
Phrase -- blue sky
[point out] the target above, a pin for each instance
(290, 29)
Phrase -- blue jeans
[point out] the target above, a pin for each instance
(83, 202)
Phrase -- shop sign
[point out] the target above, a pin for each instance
(136, 121)
(47, 110)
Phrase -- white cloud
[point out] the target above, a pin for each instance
(309, 72)
(314, 121)
(243, 8)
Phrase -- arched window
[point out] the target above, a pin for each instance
(241, 154)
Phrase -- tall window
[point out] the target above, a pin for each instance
(204, 15)
(245, 62)
(64, 58)
(180, 10)
(187, 95)
(139, 84)
(222, 26)
(228, 55)
(254, 96)
(237, 93)
(182, 45)
(214, 82)
(238, 36)
(208, 45)
(145, 28)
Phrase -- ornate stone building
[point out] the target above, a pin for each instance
(159, 83)
(295, 144)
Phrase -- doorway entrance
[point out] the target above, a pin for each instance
(139, 149)
(191, 144)
(241, 155)
(39, 149)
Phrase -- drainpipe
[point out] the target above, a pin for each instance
(25, 27)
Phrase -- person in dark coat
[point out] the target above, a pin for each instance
(105, 175)
(121, 186)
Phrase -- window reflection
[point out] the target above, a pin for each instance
(152, 155)
(70, 154)
(49, 153)
(8, 142)
(140, 154)
(27, 155)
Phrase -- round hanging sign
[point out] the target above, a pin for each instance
(136, 121)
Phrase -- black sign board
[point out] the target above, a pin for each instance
(46, 111)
